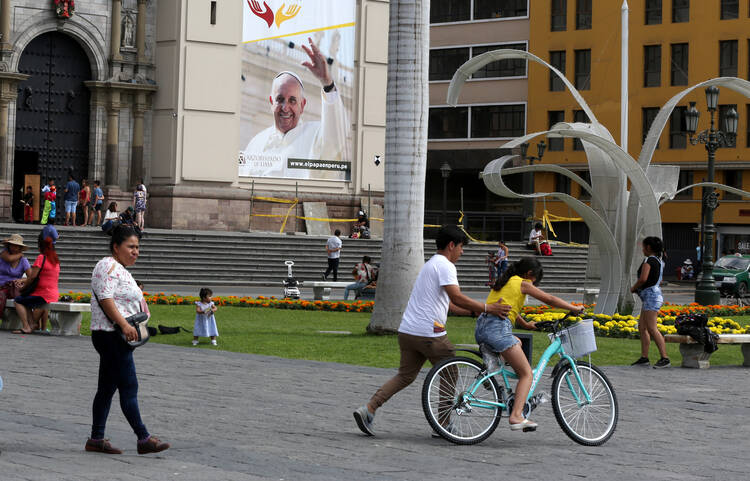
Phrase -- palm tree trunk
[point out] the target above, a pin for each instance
(407, 105)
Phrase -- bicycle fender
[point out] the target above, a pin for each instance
(560, 365)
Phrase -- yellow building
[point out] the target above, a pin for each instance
(673, 44)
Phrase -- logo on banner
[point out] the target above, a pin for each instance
(283, 13)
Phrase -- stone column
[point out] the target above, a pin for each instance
(136, 153)
(140, 31)
(113, 128)
(4, 140)
(116, 25)
(5, 25)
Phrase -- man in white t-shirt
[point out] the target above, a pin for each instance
(421, 335)
(333, 247)
(536, 237)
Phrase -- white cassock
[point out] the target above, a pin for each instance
(324, 140)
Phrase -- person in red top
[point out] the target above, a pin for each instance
(47, 269)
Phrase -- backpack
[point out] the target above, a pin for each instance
(696, 326)
(545, 249)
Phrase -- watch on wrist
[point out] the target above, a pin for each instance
(328, 88)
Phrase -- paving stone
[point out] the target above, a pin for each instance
(233, 416)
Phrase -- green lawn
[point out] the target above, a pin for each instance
(294, 334)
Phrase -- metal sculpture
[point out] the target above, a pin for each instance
(617, 217)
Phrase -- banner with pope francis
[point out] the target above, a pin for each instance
(298, 88)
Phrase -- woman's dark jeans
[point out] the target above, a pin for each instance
(116, 372)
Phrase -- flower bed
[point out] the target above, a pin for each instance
(627, 326)
(260, 301)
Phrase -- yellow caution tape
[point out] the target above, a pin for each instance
(286, 218)
(274, 199)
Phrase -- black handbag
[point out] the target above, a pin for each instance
(139, 321)
(30, 287)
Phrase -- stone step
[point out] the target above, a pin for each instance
(245, 259)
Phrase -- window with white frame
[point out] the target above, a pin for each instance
(445, 61)
(448, 11)
(477, 122)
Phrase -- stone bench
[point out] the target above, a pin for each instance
(64, 317)
(322, 289)
(367, 294)
(694, 356)
(589, 295)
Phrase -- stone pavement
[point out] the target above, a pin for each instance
(246, 417)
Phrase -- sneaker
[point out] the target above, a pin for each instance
(195, 343)
(364, 419)
(642, 362)
(101, 446)
(213, 342)
(151, 445)
(662, 363)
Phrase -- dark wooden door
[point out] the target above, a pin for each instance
(53, 108)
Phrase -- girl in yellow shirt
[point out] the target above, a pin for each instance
(495, 334)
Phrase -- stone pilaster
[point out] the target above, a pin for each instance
(140, 31)
(116, 26)
(137, 170)
(5, 25)
(113, 127)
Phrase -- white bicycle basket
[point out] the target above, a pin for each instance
(578, 339)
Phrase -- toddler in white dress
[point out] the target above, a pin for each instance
(205, 323)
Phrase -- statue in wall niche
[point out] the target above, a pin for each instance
(128, 32)
(65, 8)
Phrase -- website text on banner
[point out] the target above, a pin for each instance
(298, 89)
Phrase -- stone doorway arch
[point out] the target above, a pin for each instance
(52, 112)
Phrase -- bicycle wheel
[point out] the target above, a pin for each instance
(451, 410)
(588, 424)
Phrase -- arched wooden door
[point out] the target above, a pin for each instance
(52, 113)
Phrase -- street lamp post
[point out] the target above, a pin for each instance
(445, 171)
(706, 292)
(528, 179)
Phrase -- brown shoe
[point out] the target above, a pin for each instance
(152, 445)
(101, 446)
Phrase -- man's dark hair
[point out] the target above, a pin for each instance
(366, 259)
(448, 234)
(97, 183)
(337, 232)
(538, 226)
(70, 176)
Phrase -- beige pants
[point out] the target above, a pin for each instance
(415, 350)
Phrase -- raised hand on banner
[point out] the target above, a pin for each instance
(291, 12)
(317, 64)
(266, 14)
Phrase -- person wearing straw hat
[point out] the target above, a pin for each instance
(686, 270)
(13, 265)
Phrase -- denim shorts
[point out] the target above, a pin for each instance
(496, 332)
(651, 298)
(70, 206)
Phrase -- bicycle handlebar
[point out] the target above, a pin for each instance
(555, 325)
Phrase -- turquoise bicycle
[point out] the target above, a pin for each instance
(464, 403)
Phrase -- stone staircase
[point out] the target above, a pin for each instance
(170, 257)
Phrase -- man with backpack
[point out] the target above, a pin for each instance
(363, 273)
